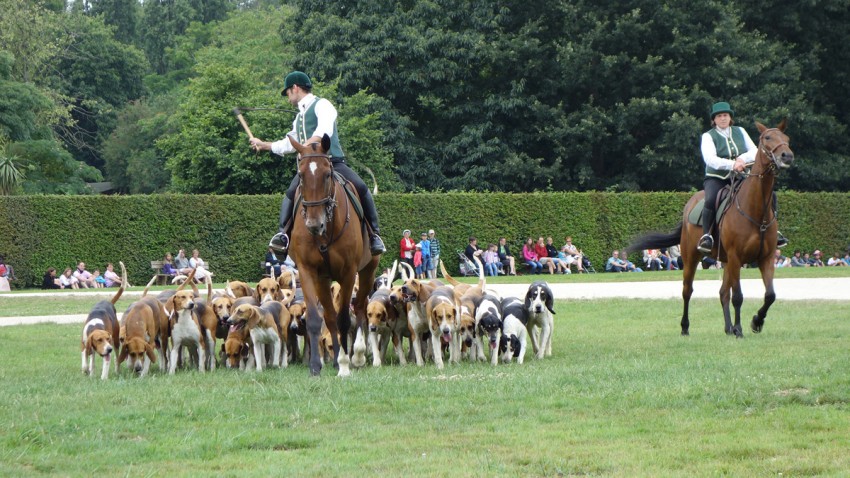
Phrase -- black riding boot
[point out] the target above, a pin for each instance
(706, 242)
(280, 242)
(376, 245)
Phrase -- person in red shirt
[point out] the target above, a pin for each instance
(543, 257)
(406, 248)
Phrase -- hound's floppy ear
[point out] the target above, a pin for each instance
(256, 293)
(149, 351)
(124, 353)
(528, 299)
(169, 306)
(326, 142)
(89, 345)
(550, 301)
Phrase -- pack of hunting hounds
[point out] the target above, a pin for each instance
(264, 326)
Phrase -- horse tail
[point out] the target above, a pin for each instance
(656, 240)
(374, 181)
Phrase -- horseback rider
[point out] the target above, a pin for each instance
(316, 117)
(725, 148)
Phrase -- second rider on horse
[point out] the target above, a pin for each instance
(725, 149)
(316, 117)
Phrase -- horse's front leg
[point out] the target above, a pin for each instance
(732, 273)
(725, 293)
(767, 269)
(314, 321)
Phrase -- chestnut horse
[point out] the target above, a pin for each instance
(747, 232)
(329, 242)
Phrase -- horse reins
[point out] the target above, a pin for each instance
(772, 169)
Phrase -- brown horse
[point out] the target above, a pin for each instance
(329, 243)
(747, 232)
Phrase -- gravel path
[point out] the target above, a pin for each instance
(786, 289)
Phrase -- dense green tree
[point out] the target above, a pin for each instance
(133, 163)
(31, 34)
(579, 95)
(96, 75)
(49, 169)
(23, 106)
(123, 15)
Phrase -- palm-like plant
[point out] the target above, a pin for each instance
(10, 177)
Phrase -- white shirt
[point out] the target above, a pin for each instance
(709, 151)
(325, 115)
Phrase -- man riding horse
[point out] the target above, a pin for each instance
(316, 117)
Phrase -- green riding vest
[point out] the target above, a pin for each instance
(308, 121)
(728, 148)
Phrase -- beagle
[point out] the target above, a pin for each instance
(513, 341)
(185, 328)
(101, 332)
(443, 323)
(488, 323)
(237, 289)
(538, 303)
(386, 321)
(238, 349)
(297, 327)
(414, 294)
(146, 330)
(263, 325)
(267, 290)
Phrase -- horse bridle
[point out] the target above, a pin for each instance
(329, 201)
(774, 167)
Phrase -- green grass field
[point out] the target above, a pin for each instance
(623, 395)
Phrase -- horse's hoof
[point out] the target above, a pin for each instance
(756, 325)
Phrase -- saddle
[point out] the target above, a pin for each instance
(724, 197)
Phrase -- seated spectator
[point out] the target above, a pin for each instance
(272, 263)
(559, 260)
(530, 257)
(543, 255)
(675, 255)
(652, 259)
(417, 262)
(779, 260)
(667, 260)
(836, 260)
(68, 281)
(168, 266)
(181, 263)
(846, 258)
(200, 266)
(572, 255)
(50, 281)
(492, 264)
(472, 249)
(614, 263)
(815, 260)
(505, 257)
(99, 281)
(798, 261)
(630, 266)
(709, 263)
(111, 278)
(85, 278)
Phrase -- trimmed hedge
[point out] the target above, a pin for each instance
(232, 231)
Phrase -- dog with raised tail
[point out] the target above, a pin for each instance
(101, 332)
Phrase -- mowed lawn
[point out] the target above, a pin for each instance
(624, 394)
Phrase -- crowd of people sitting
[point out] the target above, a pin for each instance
(538, 257)
(81, 278)
(815, 259)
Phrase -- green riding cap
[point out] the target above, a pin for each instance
(296, 78)
(721, 107)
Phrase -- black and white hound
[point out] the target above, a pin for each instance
(538, 304)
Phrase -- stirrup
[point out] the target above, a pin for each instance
(706, 243)
(376, 245)
(280, 242)
(781, 241)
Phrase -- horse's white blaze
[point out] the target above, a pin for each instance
(313, 168)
